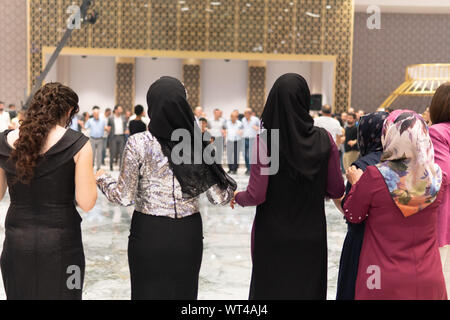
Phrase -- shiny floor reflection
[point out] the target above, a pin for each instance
(226, 266)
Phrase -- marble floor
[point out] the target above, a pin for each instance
(226, 266)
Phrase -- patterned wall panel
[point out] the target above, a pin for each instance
(239, 26)
(251, 25)
(222, 23)
(309, 26)
(79, 38)
(163, 24)
(13, 48)
(106, 33)
(125, 82)
(193, 20)
(381, 56)
(135, 16)
(338, 41)
(280, 26)
(191, 80)
(257, 87)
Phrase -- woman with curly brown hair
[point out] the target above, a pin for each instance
(46, 166)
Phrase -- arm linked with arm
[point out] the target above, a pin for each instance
(258, 183)
(335, 182)
(357, 203)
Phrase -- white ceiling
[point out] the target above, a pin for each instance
(406, 6)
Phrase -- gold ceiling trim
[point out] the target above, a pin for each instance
(190, 54)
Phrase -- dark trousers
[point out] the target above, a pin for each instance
(165, 256)
(116, 146)
(233, 152)
(248, 144)
(105, 146)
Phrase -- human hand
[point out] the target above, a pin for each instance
(233, 201)
(354, 174)
(99, 173)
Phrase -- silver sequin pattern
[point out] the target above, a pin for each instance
(147, 182)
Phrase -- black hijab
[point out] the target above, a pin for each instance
(169, 110)
(302, 145)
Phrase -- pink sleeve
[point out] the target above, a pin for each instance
(335, 182)
(257, 186)
(441, 149)
(356, 207)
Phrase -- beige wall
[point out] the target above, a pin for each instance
(13, 48)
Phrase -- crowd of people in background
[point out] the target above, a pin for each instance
(343, 127)
(109, 130)
(10, 117)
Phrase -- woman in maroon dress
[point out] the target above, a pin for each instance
(399, 200)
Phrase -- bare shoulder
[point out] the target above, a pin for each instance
(12, 137)
(85, 153)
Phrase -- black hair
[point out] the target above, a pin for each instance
(353, 115)
(139, 110)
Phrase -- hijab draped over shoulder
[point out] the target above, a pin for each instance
(408, 167)
(169, 110)
(301, 144)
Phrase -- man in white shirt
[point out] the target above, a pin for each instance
(216, 126)
(117, 127)
(251, 125)
(5, 120)
(198, 113)
(327, 122)
(234, 130)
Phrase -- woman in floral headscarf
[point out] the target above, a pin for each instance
(399, 200)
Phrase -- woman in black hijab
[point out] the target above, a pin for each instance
(166, 238)
(369, 141)
(290, 242)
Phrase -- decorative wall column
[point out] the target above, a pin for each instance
(63, 70)
(125, 82)
(191, 80)
(257, 85)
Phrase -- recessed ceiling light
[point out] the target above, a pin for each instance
(314, 15)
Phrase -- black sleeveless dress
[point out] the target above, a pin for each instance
(290, 246)
(43, 255)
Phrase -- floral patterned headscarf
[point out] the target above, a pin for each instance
(407, 163)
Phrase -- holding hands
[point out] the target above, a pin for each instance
(233, 201)
(354, 174)
(99, 173)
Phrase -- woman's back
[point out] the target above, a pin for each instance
(403, 250)
(43, 234)
(54, 179)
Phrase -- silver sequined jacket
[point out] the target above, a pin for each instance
(147, 182)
